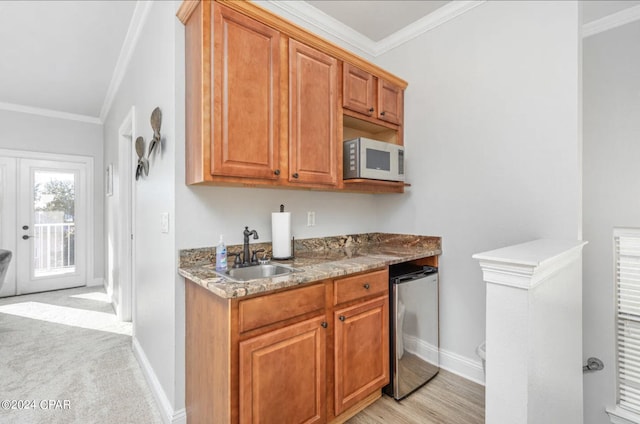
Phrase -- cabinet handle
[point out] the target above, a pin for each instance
(371, 110)
(295, 175)
(342, 318)
(324, 324)
(382, 113)
(367, 286)
(277, 172)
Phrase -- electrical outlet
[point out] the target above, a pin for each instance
(311, 219)
(164, 222)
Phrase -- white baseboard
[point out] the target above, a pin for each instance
(468, 368)
(461, 365)
(95, 282)
(422, 349)
(169, 416)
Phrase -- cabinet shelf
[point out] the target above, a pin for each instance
(374, 186)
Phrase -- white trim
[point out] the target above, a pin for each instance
(614, 20)
(87, 161)
(169, 416)
(462, 366)
(49, 113)
(421, 348)
(427, 23)
(126, 187)
(26, 154)
(618, 415)
(138, 20)
(452, 362)
(526, 265)
(316, 19)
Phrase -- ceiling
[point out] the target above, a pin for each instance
(61, 57)
(377, 19)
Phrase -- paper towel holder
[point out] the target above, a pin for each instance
(293, 252)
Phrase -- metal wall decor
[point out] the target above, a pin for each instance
(143, 162)
(156, 122)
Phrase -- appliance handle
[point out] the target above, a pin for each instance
(405, 278)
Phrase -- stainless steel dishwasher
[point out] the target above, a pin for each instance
(414, 344)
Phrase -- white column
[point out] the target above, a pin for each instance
(534, 332)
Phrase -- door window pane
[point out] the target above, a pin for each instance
(54, 223)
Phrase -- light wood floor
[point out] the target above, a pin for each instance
(447, 399)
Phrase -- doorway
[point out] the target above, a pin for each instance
(45, 221)
(120, 228)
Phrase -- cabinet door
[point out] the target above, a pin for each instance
(361, 351)
(313, 116)
(282, 375)
(246, 75)
(357, 90)
(390, 102)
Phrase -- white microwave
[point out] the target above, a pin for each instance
(372, 159)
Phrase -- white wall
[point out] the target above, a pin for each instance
(611, 187)
(149, 82)
(491, 117)
(23, 131)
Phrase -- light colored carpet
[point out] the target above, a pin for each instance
(68, 346)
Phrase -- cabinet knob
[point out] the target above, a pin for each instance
(382, 113)
(342, 318)
(371, 110)
(367, 286)
(324, 324)
(295, 175)
(25, 227)
(276, 172)
(25, 237)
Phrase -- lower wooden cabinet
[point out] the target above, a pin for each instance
(361, 351)
(313, 354)
(282, 375)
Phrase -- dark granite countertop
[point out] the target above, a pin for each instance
(317, 259)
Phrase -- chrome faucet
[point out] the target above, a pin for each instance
(245, 248)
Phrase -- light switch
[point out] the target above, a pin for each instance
(164, 222)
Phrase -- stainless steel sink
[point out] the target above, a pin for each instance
(259, 271)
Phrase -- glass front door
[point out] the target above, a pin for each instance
(51, 240)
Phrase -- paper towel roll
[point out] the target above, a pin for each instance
(281, 234)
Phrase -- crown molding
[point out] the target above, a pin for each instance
(614, 20)
(318, 20)
(427, 23)
(138, 19)
(49, 113)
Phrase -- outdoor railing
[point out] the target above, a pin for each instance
(54, 248)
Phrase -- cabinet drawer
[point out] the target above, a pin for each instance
(362, 285)
(265, 310)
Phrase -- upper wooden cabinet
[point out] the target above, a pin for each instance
(390, 102)
(246, 93)
(265, 104)
(371, 96)
(358, 90)
(313, 116)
